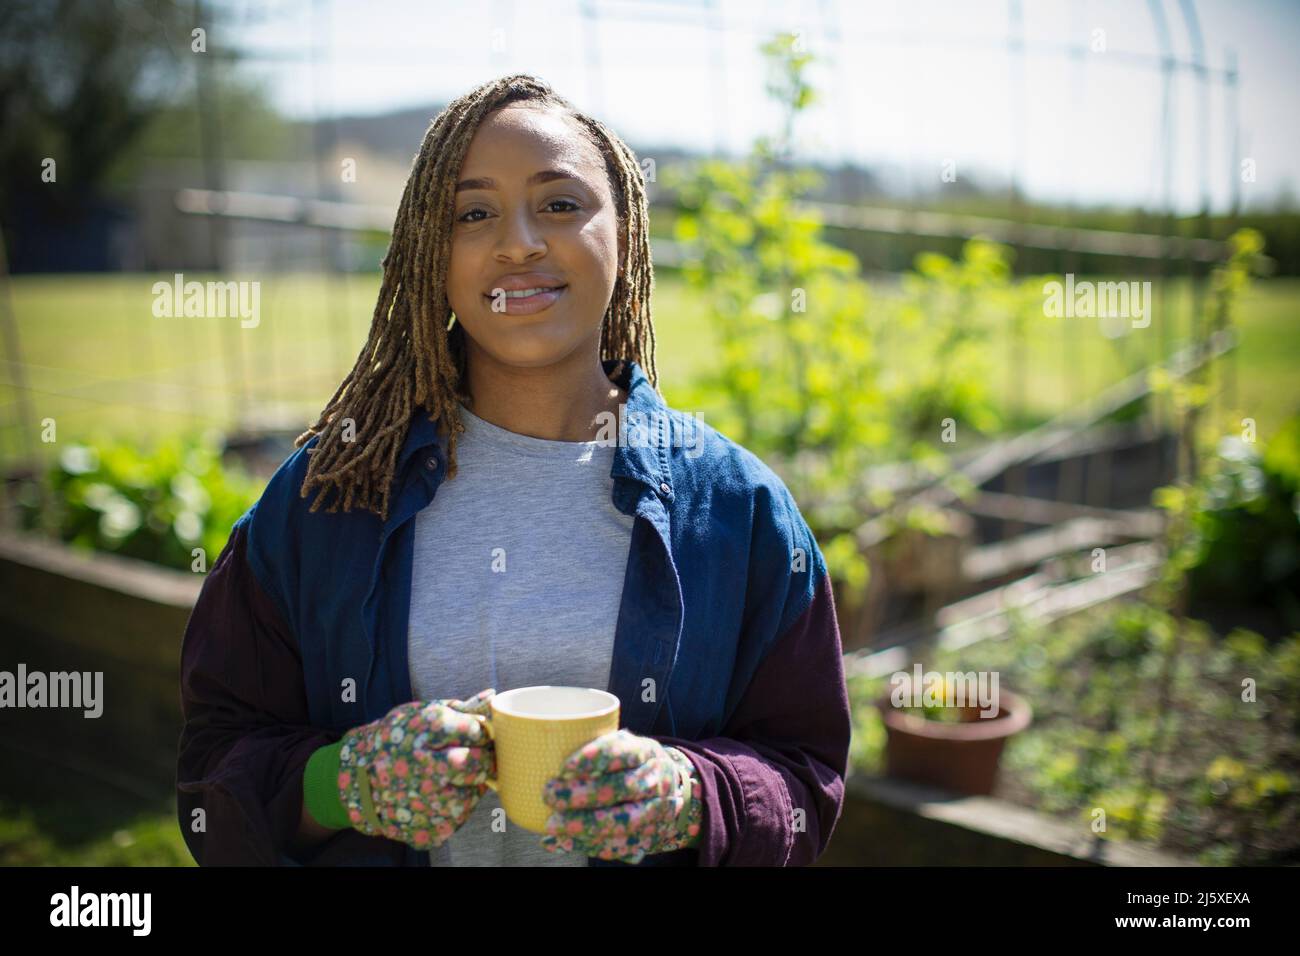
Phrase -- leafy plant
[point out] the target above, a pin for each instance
(157, 505)
(1244, 547)
(813, 372)
(937, 689)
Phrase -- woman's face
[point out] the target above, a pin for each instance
(533, 211)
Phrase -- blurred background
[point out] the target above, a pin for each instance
(1006, 292)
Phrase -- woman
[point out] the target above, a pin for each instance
(497, 496)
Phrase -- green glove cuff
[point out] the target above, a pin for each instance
(320, 788)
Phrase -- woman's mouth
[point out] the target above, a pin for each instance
(524, 301)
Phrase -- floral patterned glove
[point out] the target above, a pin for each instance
(417, 773)
(622, 797)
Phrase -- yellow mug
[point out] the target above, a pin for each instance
(534, 731)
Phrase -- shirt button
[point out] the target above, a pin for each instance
(663, 486)
(431, 464)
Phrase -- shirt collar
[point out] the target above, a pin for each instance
(646, 462)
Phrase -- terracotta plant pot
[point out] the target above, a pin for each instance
(962, 757)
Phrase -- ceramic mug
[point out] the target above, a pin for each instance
(534, 731)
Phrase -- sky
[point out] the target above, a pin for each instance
(905, 86)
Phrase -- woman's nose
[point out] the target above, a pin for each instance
(519, 239)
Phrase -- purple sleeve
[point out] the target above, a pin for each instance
(785, 749)
(246, 736)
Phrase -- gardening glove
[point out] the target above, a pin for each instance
(622, 797)
(414, 775)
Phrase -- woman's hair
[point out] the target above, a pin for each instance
(411, 359)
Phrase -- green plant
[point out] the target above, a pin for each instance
(56, 836)
(942, 715)
(934, 706)
(1244, 546)
(158, 505)
(811, 372)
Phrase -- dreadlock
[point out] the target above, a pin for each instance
(411, 358)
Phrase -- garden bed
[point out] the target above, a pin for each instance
(1204, 774)
(889, 822)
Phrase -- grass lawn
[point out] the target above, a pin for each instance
(95, 359)
(1258, 378)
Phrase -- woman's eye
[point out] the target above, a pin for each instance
(478, 215)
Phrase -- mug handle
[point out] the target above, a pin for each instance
(486, 723)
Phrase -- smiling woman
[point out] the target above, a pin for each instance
(512, 185)
(457, 522)
(532, 190)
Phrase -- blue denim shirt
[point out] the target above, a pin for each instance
(726, 643)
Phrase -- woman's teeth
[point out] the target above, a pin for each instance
(524, 293)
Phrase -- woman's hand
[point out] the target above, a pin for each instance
(623, 796)
(417, 773)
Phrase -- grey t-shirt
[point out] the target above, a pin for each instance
(517, 580)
